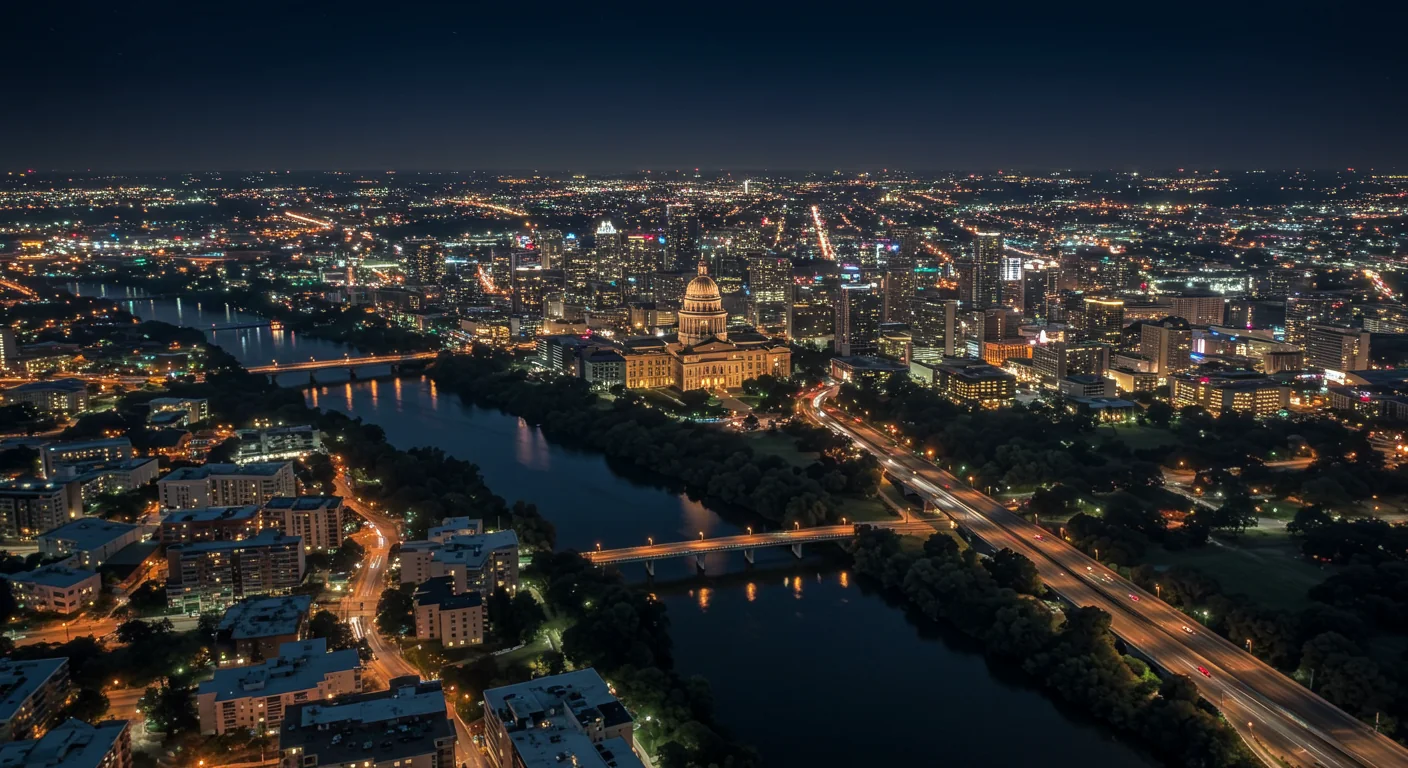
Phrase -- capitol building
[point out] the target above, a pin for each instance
(702, 355)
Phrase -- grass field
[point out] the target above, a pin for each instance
(781, 446)
(1137, 437)
(1261, 565)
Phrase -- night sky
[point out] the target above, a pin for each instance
(592, 87)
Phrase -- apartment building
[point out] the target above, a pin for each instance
(223, 485)
(405, 726)
(480, 563)
(319, 520)
(256, 697)
(31, 694)
(210, 575)
(441, 614)
(568, 719)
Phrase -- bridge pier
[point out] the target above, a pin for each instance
(650, 568)
(352, 374)
(274, 379)
(312, 377)
(699, 562)
(748, 555)
(797, 550)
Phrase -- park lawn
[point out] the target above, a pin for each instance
(780, 445)
(1262, 564)
(858, 510)
(1137, 437)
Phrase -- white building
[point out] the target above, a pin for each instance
(90, 541)
(255, 697)
(568, 719)
(226, 485)
(56, 589)
(320, 520)
(480, 563)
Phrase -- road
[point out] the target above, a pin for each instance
(98, 628)
(1274, 714)
(359, 610)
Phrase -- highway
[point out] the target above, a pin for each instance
(1277, 717)
(359, 610)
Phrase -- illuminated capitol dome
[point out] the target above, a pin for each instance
(702, 313)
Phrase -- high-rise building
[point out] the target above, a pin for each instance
(643, 259)
(1167, 344)
(1305, 311)
(609, 259)
(1100, 319)
(1200, 310)
(1337, 349)
(858, 313)
(681, 237)
(8, 349)
(935, 328)
(1037, 285)
(1058, 359)
(549, 242)
(900, 283)
(769, 292)
(424, 262)
(256, 697)
(980, 275)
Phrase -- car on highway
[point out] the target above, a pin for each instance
(1039, 537)
(1205, 672)
(1134, 597)
(1189, 630)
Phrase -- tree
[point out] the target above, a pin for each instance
(1014, 571)
(514, 618)
(170, 709)
(326, 625)
(1159, 414)
(394, 613)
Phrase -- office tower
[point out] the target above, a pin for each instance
(1037, 285)
(681, 237)
(576, 271)
(900, 284)
(1337, 349)
(643, 258)
(8, 348)
(769, 292)
(935, 328)
(1100, 319)
(1200, 310)
(1100, 270)
(1167, 344)
(858, 311)
(549, 243)
(423, 261)
(529, 289)
(980, 275)
(1305, 311)
(1058, 359)
(609, 258)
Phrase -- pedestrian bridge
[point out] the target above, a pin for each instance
(746, 543)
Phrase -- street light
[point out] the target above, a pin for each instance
(701, 535)
(650, 539)
(797, 525)
(750, 530)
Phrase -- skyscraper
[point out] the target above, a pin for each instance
(935, 328)
(608, 261)
(549, 242)
(423, 262)
(1100, 319)
(642, 259)
(858, 310)
(681, 237)
(1337, 349)
(769, 292)
(900, 284)
(980, 275)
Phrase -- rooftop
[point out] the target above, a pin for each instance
(300, 665)
(30, 485)
(265, 616)
(872, 363)
(54, 575)
(75, 744)
(80, 445)
(261, 468)
(20, 679)
(441, 591)
(211, 514)
(470, 551)
(88, 533)
(303, 503)
(263, 538)
(60, 385)
(402, 722)
(545, 717)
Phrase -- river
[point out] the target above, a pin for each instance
(806, 664)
